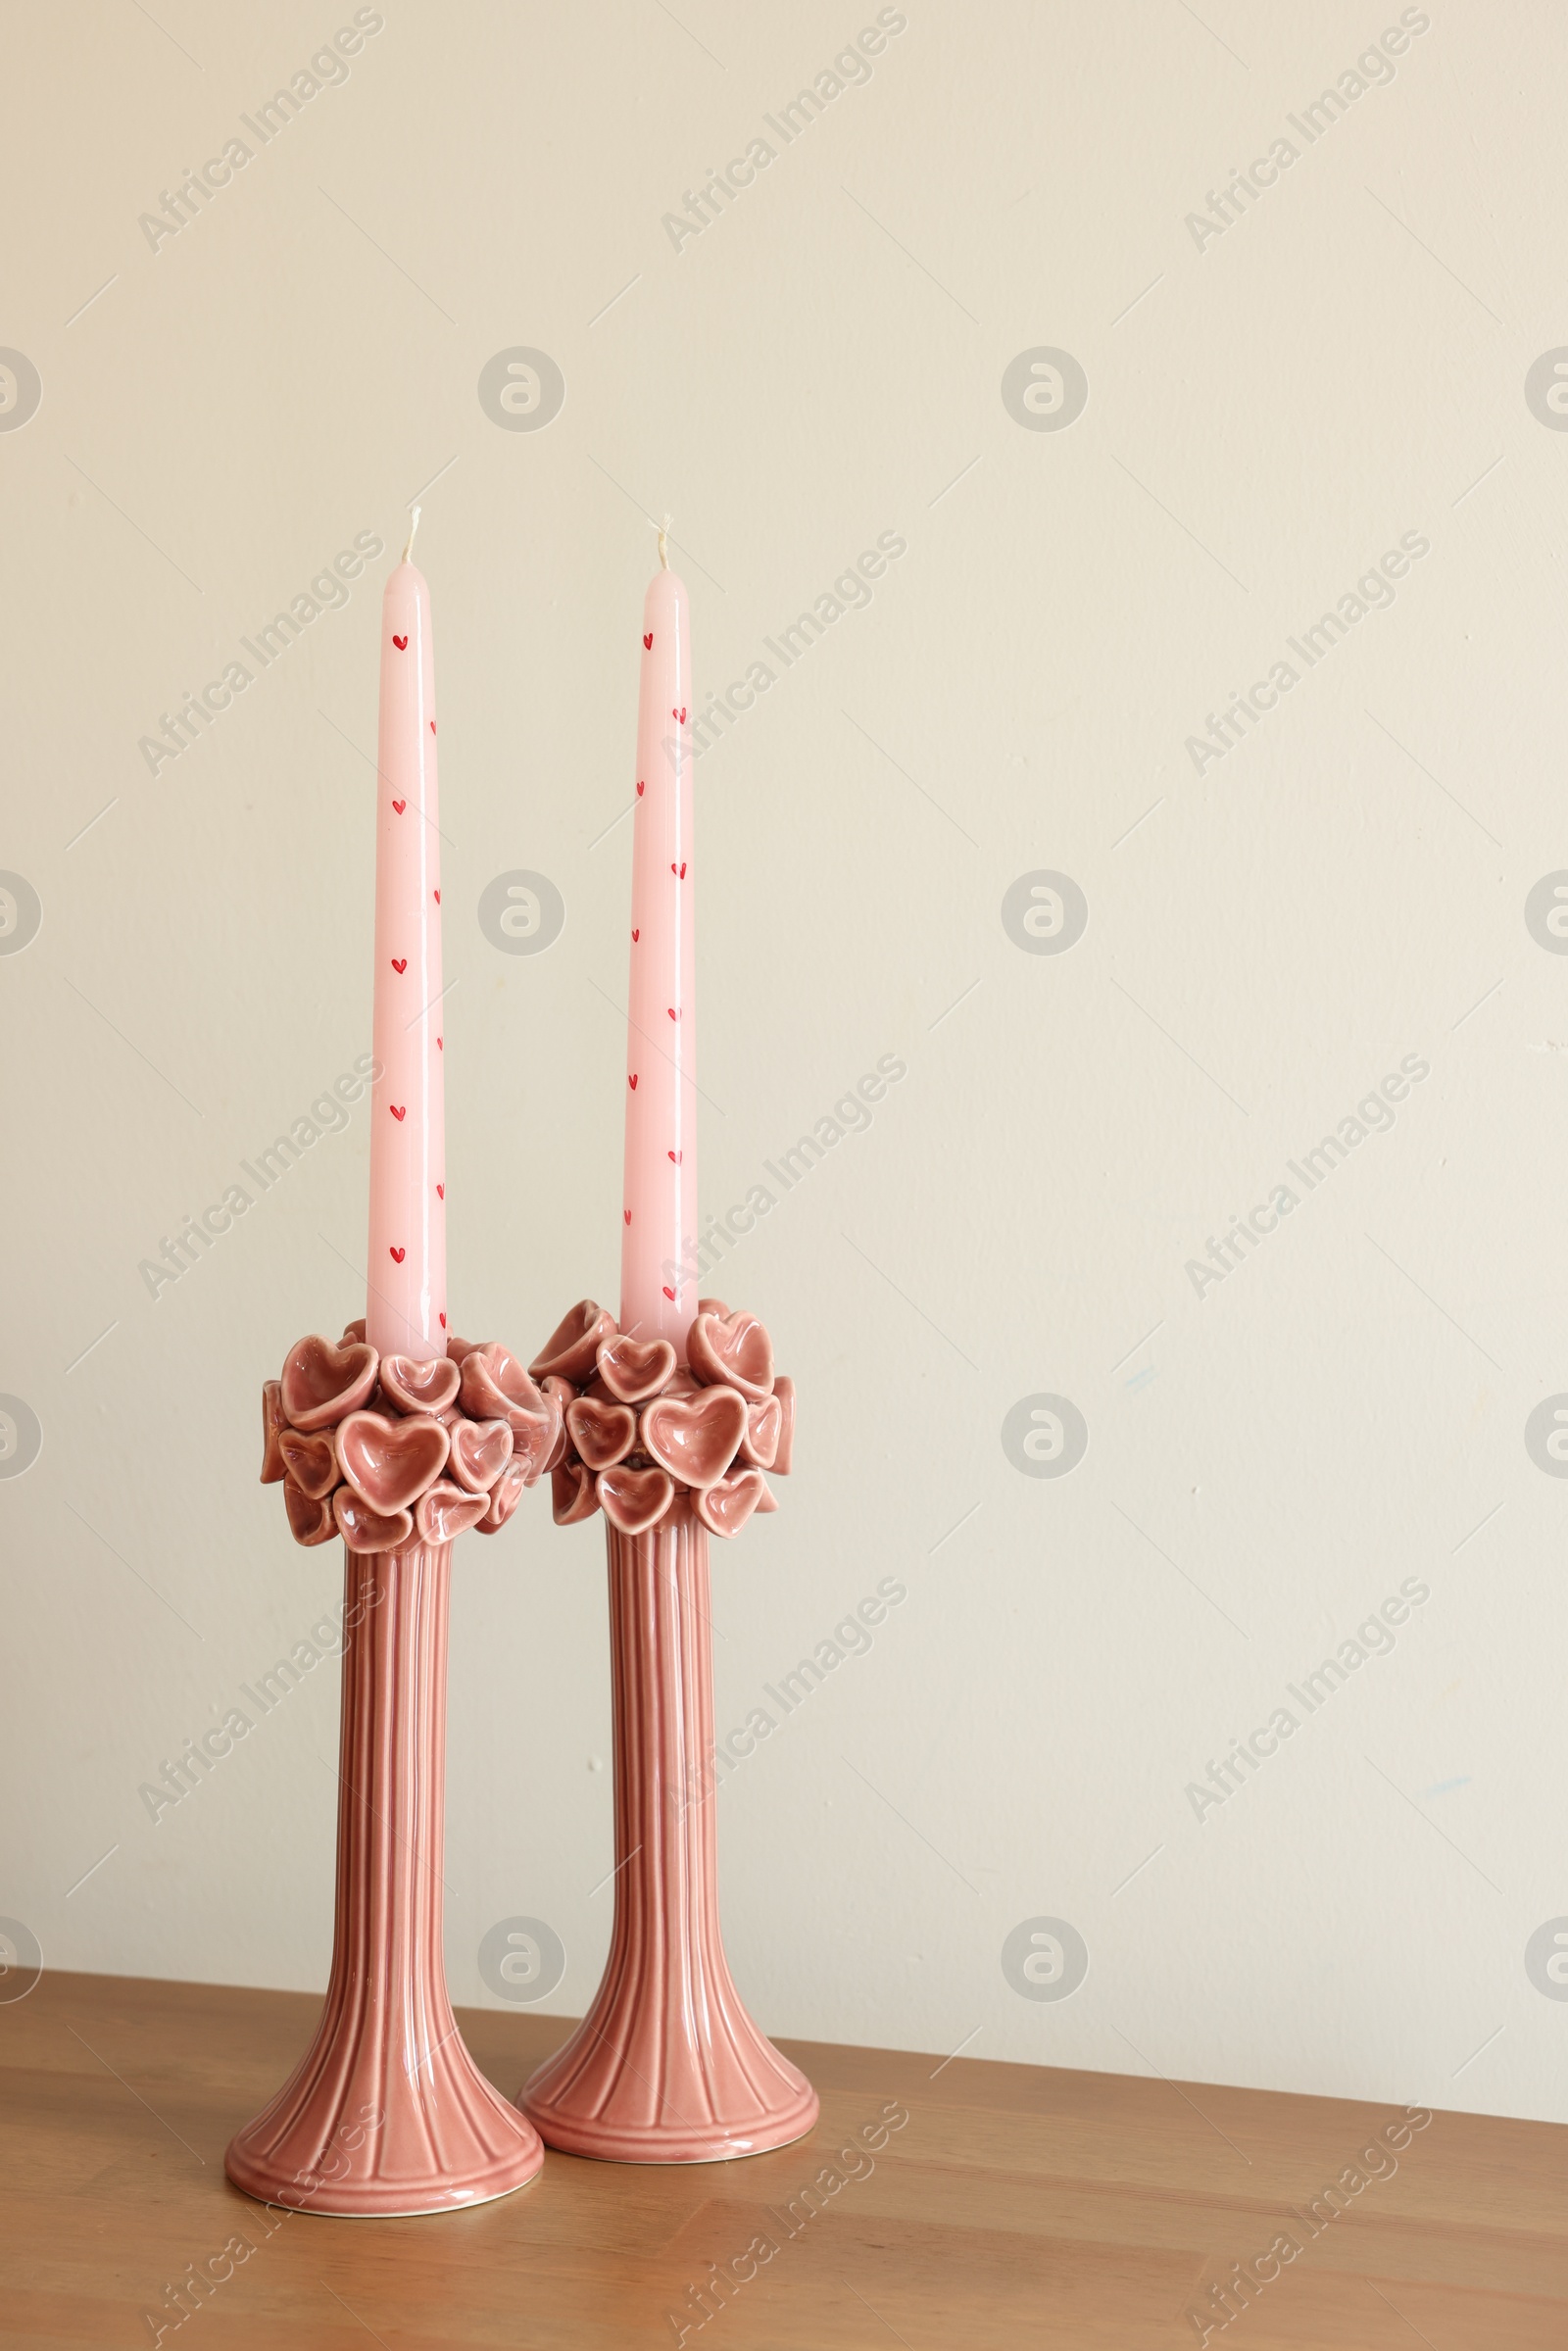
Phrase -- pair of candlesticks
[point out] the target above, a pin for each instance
(388, 2113)
(400, 1438)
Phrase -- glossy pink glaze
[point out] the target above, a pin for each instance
(658, 1201)
(387, 2113)
(407, 1293)
(667, 2067)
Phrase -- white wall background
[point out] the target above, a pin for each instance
(1266, 415)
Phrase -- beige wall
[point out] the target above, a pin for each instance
(1273, 407)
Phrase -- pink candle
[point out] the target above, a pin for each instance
(659, 1207)
(407, 1287)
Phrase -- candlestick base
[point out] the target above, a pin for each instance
(388, 2113)
(667, 2067)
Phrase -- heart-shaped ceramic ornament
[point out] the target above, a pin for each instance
(732, 1350)
(365, 1530)
(571, 1347)
(634, 1368)
(413, 1387)
(573, 1495)
(481, 1452)
(760, 1444)
(562, 1392)
(695, 1439)
(310, 1461)
(603, 1433)
(633, 1500)
(784, 1389)
(389, 1463)
(322, 1384)
(505, 1495)
(726, 1507)
(445, 1512)
(310, 1520)
(495, 1386)
(272, 1423)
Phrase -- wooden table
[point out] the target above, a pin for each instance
(1013, 2205)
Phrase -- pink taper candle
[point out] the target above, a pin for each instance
(405, 1305)
(659, 1205)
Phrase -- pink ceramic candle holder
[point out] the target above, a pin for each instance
(388, 2113)
(667, 2067)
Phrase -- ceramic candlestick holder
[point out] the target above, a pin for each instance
(667, 2067)
(388, 2113)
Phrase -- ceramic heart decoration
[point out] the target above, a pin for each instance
(389, 1463)
(634, 1368)
(733, 1350)
(445, 1512)
(634, 1499)
(572, 1344)
(310, 1461)
(481, 1452)
(322, 1382)
(573, 1492)
(505, 1496)
(726, 1507)
(695, 1440)
(271, 1424)
(415, 1387)
(603, 1433)
(309, 1521)
(760, 1444)
(365, 1530)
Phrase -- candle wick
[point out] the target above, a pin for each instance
(663, 545)
(413, 527)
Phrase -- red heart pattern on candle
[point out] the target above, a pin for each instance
(641, 789)
(322, 1382)
(726, 1507)
(388, 1462)
(397, 1255)
(625, 1213)
(400, 962)
(696, 1440)
(441, 1193)
(443, 1322)
(398, 1111)
(445, 1512)
(679, 715)
(634, 1368)
(680, 871)
(673, 1014)
(633, 1500)
(668, 1293)
(603, 1433)
(481, 1452)
(308, 1521)
(365, 1530)
(417, 1387)
(310, 1461)
(402, 644)
(648, 641)
(440, 1044)
(636, 935)
(632, 1081)
(438, 898)
(572, 1346)
(432, 726)
(735, 1351)
(400, 805)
